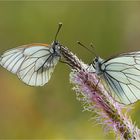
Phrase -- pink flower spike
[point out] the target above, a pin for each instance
(95, 98)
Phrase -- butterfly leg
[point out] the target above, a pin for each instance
(65, 62)
(97, 84)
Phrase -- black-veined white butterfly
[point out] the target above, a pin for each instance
(122, 75)
(33, 63)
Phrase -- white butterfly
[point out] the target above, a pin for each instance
(122, 75)
(33, 63)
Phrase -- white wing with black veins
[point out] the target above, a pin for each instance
(33, 65)
(122, 74)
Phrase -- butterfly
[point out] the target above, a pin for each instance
(33, 63)
(121, 74)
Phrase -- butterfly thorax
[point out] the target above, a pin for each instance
(98, 64)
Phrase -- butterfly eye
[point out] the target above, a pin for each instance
(96, 60)
(56, 43)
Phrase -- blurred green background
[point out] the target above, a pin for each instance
(52, 111)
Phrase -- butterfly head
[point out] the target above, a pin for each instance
(56, 46)
(97, 62)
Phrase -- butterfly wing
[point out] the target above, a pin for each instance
(122, 74)
(12, 59)
(33, 64)
(91, 68)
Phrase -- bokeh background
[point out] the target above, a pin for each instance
(52, 111)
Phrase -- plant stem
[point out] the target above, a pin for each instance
(97, 99)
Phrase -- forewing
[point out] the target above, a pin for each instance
(37, 71)
(12, 59)
(122, 74)
(33, 64)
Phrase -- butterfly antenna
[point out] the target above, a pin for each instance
(59, 27)
(86, 48)
(93, 48)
